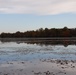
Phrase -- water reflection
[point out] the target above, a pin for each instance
(14, 50)
(41, 42)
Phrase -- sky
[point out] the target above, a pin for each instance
(23, 15)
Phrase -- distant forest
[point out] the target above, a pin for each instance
(41, 33)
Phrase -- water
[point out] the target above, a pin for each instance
(36, 50)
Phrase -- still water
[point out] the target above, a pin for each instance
(36, 50)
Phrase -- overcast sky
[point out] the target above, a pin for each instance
(22, 15)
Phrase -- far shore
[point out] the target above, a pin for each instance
(40, 38)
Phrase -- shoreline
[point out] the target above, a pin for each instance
(40, 39)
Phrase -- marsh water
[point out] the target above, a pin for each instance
(27, 50)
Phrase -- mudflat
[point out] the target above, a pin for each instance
(39, 67)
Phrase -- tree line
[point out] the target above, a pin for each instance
(53, 32)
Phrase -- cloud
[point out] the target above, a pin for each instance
(40, 7)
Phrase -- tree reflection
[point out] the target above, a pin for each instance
(41, 42)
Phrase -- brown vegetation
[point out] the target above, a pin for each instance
(64, 32)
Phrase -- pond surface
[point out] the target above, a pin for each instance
(36, 50)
